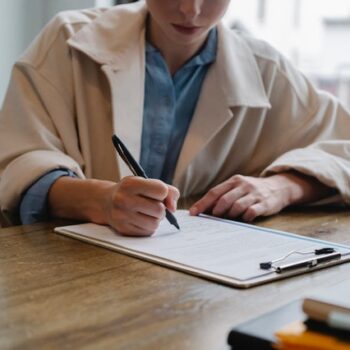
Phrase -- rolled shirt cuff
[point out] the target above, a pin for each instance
(34, 206)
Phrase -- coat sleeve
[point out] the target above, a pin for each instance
(313, 136)
(37, 122)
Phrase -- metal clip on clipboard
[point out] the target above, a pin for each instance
(322, 255)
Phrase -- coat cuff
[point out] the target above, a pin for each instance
(27, 169)
(331, 170)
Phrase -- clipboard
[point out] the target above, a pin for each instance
(220, 250)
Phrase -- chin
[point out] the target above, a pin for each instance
(186, 40)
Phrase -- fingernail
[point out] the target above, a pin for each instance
(175, 204)
(194, 211)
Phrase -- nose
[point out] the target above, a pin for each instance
(191, 8)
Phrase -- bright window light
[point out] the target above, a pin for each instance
(313, 34)
(104, 3)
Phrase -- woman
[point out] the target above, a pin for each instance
(204, 109)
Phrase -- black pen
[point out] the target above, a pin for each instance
(137, 170)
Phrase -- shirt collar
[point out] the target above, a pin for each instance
(205, 56)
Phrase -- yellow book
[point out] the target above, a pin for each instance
(296, 337)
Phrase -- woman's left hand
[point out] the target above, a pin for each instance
(249, 197)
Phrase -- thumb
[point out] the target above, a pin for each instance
(172, 198)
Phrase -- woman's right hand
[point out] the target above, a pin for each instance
(135, 206)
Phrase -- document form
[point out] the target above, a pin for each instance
(222, 250)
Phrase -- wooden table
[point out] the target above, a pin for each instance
(57, 293)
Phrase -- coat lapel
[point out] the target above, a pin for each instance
(127, 91)
(116, 40)
(233, 80)
(208, 119)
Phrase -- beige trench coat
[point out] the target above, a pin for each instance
(83, 79)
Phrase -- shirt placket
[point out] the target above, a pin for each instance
(161, 117)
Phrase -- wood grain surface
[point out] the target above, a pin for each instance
(60, 293)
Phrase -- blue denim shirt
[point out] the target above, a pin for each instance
(170, 102)
(34, 207)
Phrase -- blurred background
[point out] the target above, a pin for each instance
(313, 34)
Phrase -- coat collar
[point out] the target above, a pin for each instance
(109, 40)
(111, 37)
(116, 40)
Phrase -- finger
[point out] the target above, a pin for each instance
(225, 202)
(133, 231)
(241, 205)
(155, 189)
(126, 204)
(150, 207)
(137, 224)
(209, 200)
(255, 210)
(172, 198)
(150, 188)
(123, 225)
(145, 222)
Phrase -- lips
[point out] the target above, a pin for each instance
(184, 29)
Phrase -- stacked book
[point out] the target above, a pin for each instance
(320, 321)
(327, 326)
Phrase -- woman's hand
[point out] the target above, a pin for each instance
(250, 197)
(134, 206)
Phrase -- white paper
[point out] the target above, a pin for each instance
(220, 247)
